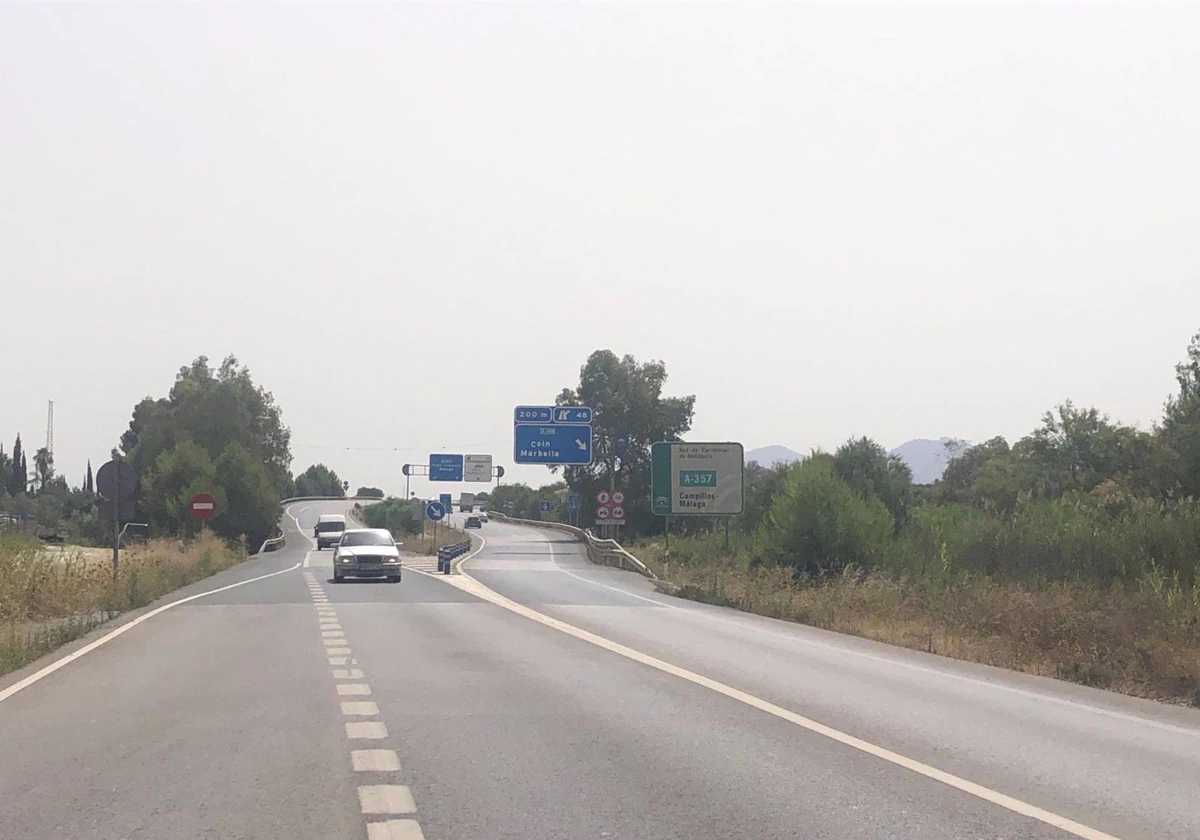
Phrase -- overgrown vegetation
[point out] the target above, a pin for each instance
(48, 597)
(1074, 551)
(406, 520)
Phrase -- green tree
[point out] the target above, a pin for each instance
(319, 480)
(89, 482)
(212, 409)
(6, 470)
(43, 465)
(369, 493)
(178, 474)
(251, 503)
(761, 484)
(870, 471)
(17, 476)
(1181, 425)
(524, 502)
(962, 471)
(629, 413)
(820, 525)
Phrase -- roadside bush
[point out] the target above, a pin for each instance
(397, 515)
(819, 525)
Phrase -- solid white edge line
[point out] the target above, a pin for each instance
(899, 663)
(470, 585)
(108, 637)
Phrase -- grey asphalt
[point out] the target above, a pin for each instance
(220, 718)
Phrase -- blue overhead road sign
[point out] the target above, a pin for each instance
(556, 443)
(572, 414)
(434, 512)
(445, 468)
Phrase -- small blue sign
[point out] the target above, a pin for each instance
(572, 414)
(572, 501)
(445, 468)
(444, 498)
(557, 443)
(533, 414)
(434, 512)
(547, 507)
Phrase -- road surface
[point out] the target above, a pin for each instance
(538, 696)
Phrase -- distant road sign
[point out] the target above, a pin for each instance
(533, 414)
(618, 497)
(572, 414)
(499, 472)
(696, 479)
(445, 467)
(446, 502)
(603, 497)
(112, 474)
(477, 468)
(573, 501)
(203, 506)
(603, 513)
(434, 512)
(547, 506)
(618, 512)
(561, 443)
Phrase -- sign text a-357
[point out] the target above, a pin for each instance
(696, 479)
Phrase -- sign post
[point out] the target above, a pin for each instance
(116, 482)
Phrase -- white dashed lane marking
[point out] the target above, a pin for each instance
(360, 708)
(347, 674)
(395, 830)
(366, 730)
(340, 660)
(353, 689)
(338, 651)
(386, 799)
(375, 761)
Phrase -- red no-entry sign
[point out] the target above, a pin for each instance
(203, 506)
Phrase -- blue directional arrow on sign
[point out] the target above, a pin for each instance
(435, 512)
(554, 443)
(547, 506)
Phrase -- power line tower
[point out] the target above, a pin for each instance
(50, 429)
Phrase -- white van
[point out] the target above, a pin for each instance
(329, 530)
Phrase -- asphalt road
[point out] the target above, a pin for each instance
(562, 701)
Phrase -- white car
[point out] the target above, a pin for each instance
(366, 552)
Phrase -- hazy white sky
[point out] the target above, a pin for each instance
(894, 220)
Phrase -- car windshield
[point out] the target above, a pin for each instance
(366, 538)
(325, 527)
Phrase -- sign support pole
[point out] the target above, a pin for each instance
(667, 553)
(726, 518)
(117, 523)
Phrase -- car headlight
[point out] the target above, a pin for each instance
(391, 560)
(344, 559)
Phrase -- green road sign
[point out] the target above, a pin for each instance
(696, 479)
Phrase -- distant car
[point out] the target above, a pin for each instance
(366, 552)
(473, 522)
(330, 527)
(483, 517)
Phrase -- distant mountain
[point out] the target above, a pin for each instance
(928, 458)
(769, 456)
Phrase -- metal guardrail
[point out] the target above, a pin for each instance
(273, 544)
(601, 552)
(447, 553)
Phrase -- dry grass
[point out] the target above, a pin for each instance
(425, 543)
(48, 598)
(1137, 639)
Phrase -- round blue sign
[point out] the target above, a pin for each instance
(435, 511)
